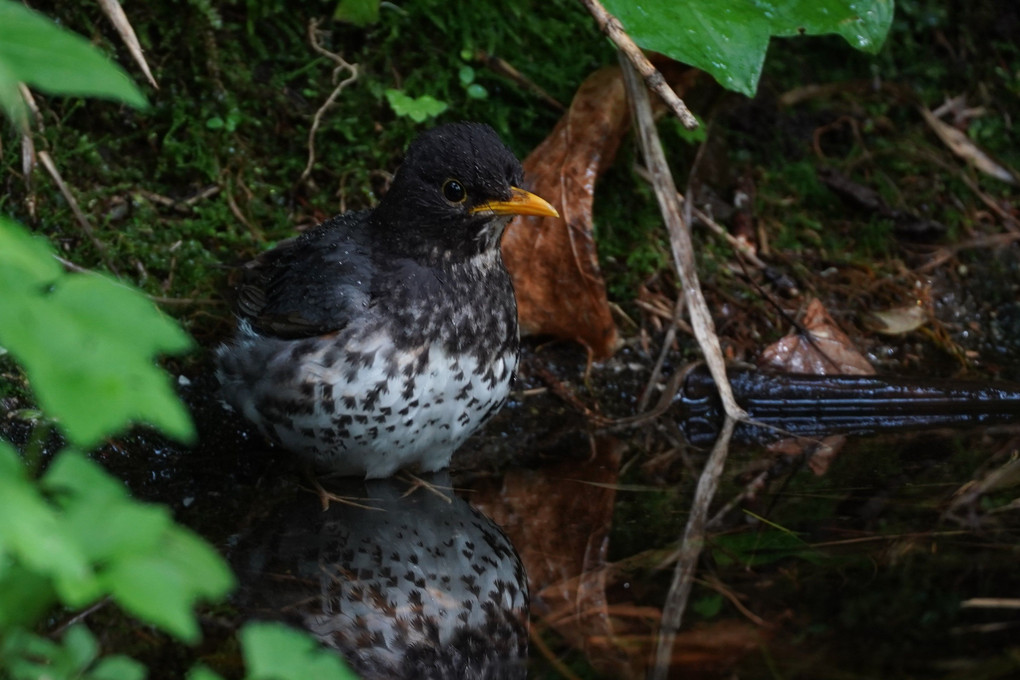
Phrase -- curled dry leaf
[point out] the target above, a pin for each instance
(825, 351)
(553, 262)
(898, 320)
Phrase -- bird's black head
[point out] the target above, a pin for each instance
(454, 194)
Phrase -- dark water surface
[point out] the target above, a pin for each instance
(889, 555)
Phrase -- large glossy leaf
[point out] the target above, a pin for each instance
(728, 38)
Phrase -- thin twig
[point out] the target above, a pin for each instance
(690, 550)
(655, 81)
(743, 248)
(115, 13)
(228, 196)
(679, 238)
(78, 618)
(342, 64)
(667, 342)
(505, 68)
(51, 168)
(947, 252)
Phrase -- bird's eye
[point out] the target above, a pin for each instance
(453, 191)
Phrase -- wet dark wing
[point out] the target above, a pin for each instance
(310, 285)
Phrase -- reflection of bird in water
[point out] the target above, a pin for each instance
(420, 586)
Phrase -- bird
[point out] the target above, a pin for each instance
(381, 339)
(402, 585)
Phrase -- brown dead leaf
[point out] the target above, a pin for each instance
(553, 262)
(828, 350)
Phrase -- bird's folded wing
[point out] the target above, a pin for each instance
(310, 285)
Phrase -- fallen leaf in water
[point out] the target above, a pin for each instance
(962, 145)
(897, 321)
(559, 518)
(826, 350)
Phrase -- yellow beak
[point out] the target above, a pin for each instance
(521, 203)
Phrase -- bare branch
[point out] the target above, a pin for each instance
(690, 550)
(679, 238)
(655, 81)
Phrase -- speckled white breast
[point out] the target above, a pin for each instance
(363, 407)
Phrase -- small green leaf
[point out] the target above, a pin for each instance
(80, 646)
(117, 668)
(36, 51)
(417, 109)
(209, 577)
(476, 91)
(275, 652)
(201, 672)
(27, 595)
(361, 13)
(466, 75)
(153, 589)
(162, 586)
(708, 606)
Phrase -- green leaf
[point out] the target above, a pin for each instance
(275, 652)
(417, 109)
(154, 590)
(11, 101)
(27, 656)
(729, 38)
(36, 51)
(209, 577)
(361, 13)
(27, 595)
(28, 261)
(85, 334)
(33, 533)
(79, 645)
(708, 606)
(201, 672)
(98, 511)
(754, 548)
(117, 668)
(163, 586)
(153, 568)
